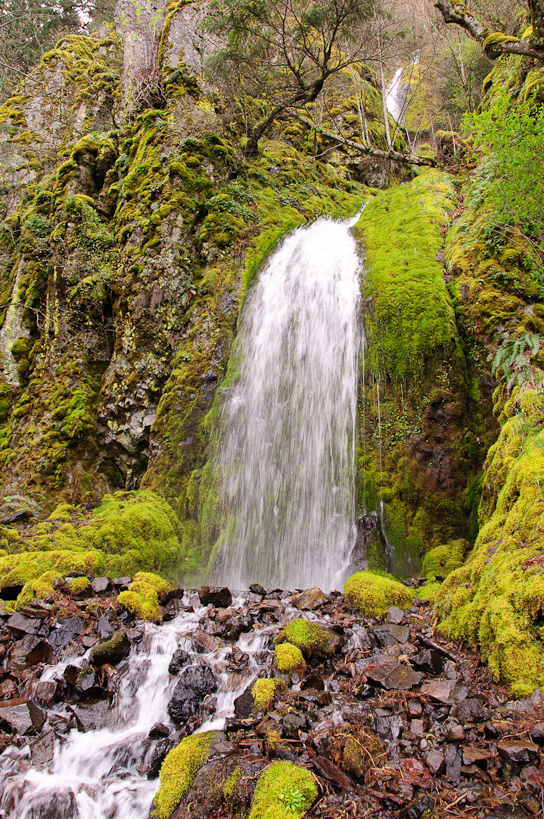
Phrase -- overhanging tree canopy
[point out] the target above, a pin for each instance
(284, 52)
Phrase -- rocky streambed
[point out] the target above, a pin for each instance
(390, 719)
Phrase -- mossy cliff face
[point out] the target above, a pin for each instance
(416, 441)
(133, 229)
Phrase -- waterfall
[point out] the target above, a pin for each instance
(287, 428)
(395, 97)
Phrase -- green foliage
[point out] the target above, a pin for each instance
(284, 791)
(373, 593)
(511, 134)
(513, 359)
(178, 771)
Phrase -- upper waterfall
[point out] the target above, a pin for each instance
(286, 453)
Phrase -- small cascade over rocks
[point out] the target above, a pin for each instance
(385, 714)
(286, 454)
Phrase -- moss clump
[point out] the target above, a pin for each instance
(264, 692)
(314, 640)
(178, 770)
(442, 560)
(373, 594)
(289, 659)
(230, 787)
(77, 586)
(142, 597)
(412, 314)
(497, 597)
(284, 791)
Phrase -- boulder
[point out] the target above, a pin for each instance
(220, 597)
(180, 658)
(65, 630)
(27, 652)
(112, 651)
(309, 599)
(194, 684)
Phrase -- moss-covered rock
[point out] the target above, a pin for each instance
(373, 594)
(316, 642)
(142, 597)
(289, 659)
(497, 598)
(264, 692)
(178, 770)
(444, 559)
(284, 791)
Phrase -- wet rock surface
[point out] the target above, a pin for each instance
(395, 723)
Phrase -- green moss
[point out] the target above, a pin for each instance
(313, 639)
(289, 659)
(78, 585)
(373, 594)
(178, 771)
(284, 791)
(442, 560)
(264, 691)
(411, 314)
(142, 598)
(230, 788)
(497, 598)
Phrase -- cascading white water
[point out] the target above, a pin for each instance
(286, 455)
(95, 775)
(395, 97)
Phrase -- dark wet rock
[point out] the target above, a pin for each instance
(309, 599)
(19, 624)
(312, 681)
(518, 750)
(476, 756)
(455, 732)
(415, 709)
(156, 757)
(428, 660)
(8, 689)
(401, 678)
(292, 724)
(220, 597)
(537, 733)
(380, 667)
(361, 638)
(84, 681)
(180, 658)
(395, 615)
(170, 595)
(173, 608)
(122, 583)
(27, 652)
(256, 588)
(45, 692)
(203, 643)
(104, 627)
(91, 716)
(435, 762)
(66, 629)
(100, 585)
(244, 704)
(113, 651)
(195, 682)
(20, 717)
(37, 609)
(159, 731)
(43, 748)
(390, 634)
(53, 805)
(453, 758)
(470, 710)
(89, 640)
(236, 626)
(329, 771)
(439, 690)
